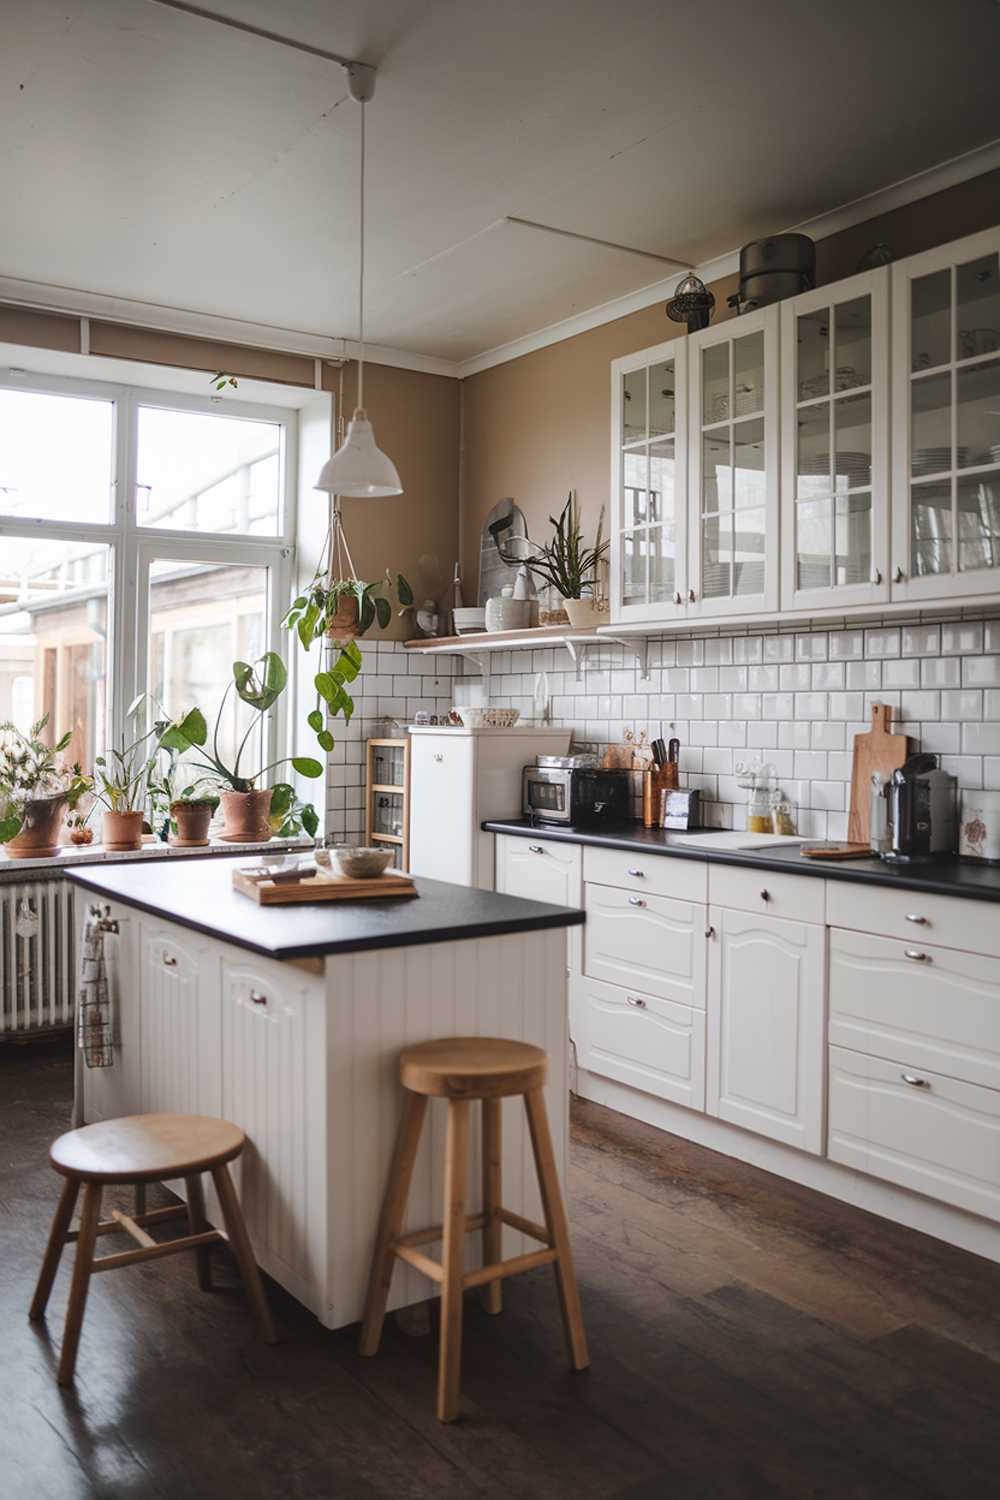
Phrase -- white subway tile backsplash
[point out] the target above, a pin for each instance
(734, 733)
(748, 650)
(991, 772)
(991, 704)
(810, 705)
(940, 739)
(810, 764)
(690, 653)
(762, 736)
(981, 739)
(795, 734)
(921, 640)
(991, 635)
(846, 645)
(866, 675)
(779, 648)
(795, 678)
(676, 679)
(719, 653)
(901, 674)
(941, 672)
(763, 679)
(732, 679)
(811, 647)
(882, 642)
(961, 639)
(828, 735)
(705, 679)
(828, 675)
(981, 671)
(746, 706)
(962, 705)
(777, 705)
(920, 705)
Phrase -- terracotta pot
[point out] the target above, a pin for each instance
(583, 613)
(245, 816)
(39, 836)
(81, 836)
(345, 625)
(192, 819)
(121, 830)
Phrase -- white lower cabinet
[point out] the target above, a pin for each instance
(539, 870)
(921, 1130)
(642, 1040)
(179, 990)
(766, 1020)
(109, 1093)
(273, 1060)
(649, 943)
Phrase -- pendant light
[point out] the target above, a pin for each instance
(359, 468)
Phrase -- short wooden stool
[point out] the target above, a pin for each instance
(461, 1069)
(137, 1150)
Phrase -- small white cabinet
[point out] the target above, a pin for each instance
(111, 1092)
(179, 990)
(650, 1043)
(539, 869)
(766, 1020)
(648, 943)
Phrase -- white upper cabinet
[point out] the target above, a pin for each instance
(649, 483)
(835, 441)
(733, 467)
(946, 421)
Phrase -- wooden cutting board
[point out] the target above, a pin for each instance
(319, 887)
(879, 750)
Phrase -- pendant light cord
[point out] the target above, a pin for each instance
(361, 272)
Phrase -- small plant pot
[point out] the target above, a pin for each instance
(81, 836)
(39, 835)
(121, 831)
(346, 623)
(192, 819)
(245, 816)
(583, 613)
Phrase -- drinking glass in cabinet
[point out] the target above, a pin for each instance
(930, 529)
(978, 414)
(715, 405)
(388, 813)
(978, 509)
(930, 320)
(748, 463)
(814, 532)
(813, 354)
(717, 473)
(662, 563)
(662, 399)
(717, 554)
(930, 424)
(852, 436)
(977, 320)
(633, 406)
(748, 375)
(748, 552)
(813, 459)
(852, 560)
(853, 343)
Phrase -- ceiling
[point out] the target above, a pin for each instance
(156, 156)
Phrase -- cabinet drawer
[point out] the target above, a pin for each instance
(658, 874)
(937, 1136)
(651, 942)
(798, 897)
(946, 921)
(539, 869)
(642, 1040)
(928, 1007)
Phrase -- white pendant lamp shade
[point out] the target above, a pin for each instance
(359, 467)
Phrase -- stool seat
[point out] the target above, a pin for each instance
(146, 1148)
(473, 1067)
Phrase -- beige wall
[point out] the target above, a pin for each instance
(539, 426)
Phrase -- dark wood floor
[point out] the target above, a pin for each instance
(748, 1337)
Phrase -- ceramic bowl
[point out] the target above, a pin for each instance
(471, 718)
(359, 864)
(468, 621)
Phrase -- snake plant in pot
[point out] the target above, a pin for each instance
(252, 809)
(569, 565)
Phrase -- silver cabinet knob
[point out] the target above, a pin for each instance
(917, 956)
(912, 916)
(765, 895)
(636, 874)
(256, 998)
(915, 1081)
(535, 849)
(898, 575)
(877, 576)
(678, 597)
(438, 757)
(169, 962)
(636, 901)
(636, 1001)
(710, 932)
(691, 596)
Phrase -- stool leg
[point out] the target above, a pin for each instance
(555, 1222)
(239, 1243)
(456, 1172)
(492, 1200)
(390, 1222)
(89, 1220)
(61, 1221)
(197, 1224)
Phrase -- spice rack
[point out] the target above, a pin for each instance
(387, 798)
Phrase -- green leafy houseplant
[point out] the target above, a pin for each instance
(30, 777)
(565, 561)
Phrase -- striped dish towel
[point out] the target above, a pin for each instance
(96, 1010)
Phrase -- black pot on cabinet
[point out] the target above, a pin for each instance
(773, 269)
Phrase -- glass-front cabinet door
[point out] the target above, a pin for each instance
(946, 421)
(733, 467)
(649, 483)
(835, 437)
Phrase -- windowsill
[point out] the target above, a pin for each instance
(92, 854)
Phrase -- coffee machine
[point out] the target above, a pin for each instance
(923, 811)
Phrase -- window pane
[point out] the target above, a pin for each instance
(54, 640)
(748, 463)
(852, 416)
(662, 399)
(979, 414)
(717, 473)
(854, 343)
(748, 552)
(814, 450)
(199, 471)
(930, 320)
(813, 335)
(662, 563)
(715, 384)
(748, 375)
(634, 568)
(661, 482)
(636, 476)
(930, 528)
(717, 556)
(202, 618)
(633, 406)
(814, 524)
(978, 524)
(977, 286)
(56, 457)
(931, 430)
(853, 558)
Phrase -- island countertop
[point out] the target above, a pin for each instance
(199, 895)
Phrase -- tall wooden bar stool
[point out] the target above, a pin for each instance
(463, 1069)
(137, 1150)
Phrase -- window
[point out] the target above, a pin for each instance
(145, 540)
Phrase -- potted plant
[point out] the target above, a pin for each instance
(248, 805)
(571, 567)
(34, 791)
(182, 814)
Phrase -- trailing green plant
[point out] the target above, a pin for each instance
(259, 685)
(29, 772)
(565, 561)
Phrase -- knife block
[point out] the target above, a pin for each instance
(655, 781)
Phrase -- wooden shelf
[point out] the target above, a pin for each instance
(387, 838)
(500, 640)
(399, 790)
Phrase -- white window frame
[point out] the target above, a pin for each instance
(134, 547)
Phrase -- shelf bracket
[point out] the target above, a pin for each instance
(580, 652)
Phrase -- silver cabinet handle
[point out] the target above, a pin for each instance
(765, 895)
(710, 932)
(914, 1081)
(877, 576)
(917, 956)
(678, 597)
(637, 874)
(898, 576)
(256, 998)
(691, 596)
(912, 916)
(635, 1001)
(535, 849)
(438, 757)
(636, 901)
(169, 962)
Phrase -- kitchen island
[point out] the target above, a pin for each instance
(288, 1021)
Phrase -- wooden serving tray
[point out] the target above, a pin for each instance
(322, 886)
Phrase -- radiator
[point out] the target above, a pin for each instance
(37, 957)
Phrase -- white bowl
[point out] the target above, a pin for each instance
(469, 620)
(359, 863)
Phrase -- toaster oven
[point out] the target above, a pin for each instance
(575, 796)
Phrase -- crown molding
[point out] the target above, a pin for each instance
(920, 185)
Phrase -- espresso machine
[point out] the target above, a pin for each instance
(923, 811)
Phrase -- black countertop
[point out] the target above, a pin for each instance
(200, 896)
(951, 877)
